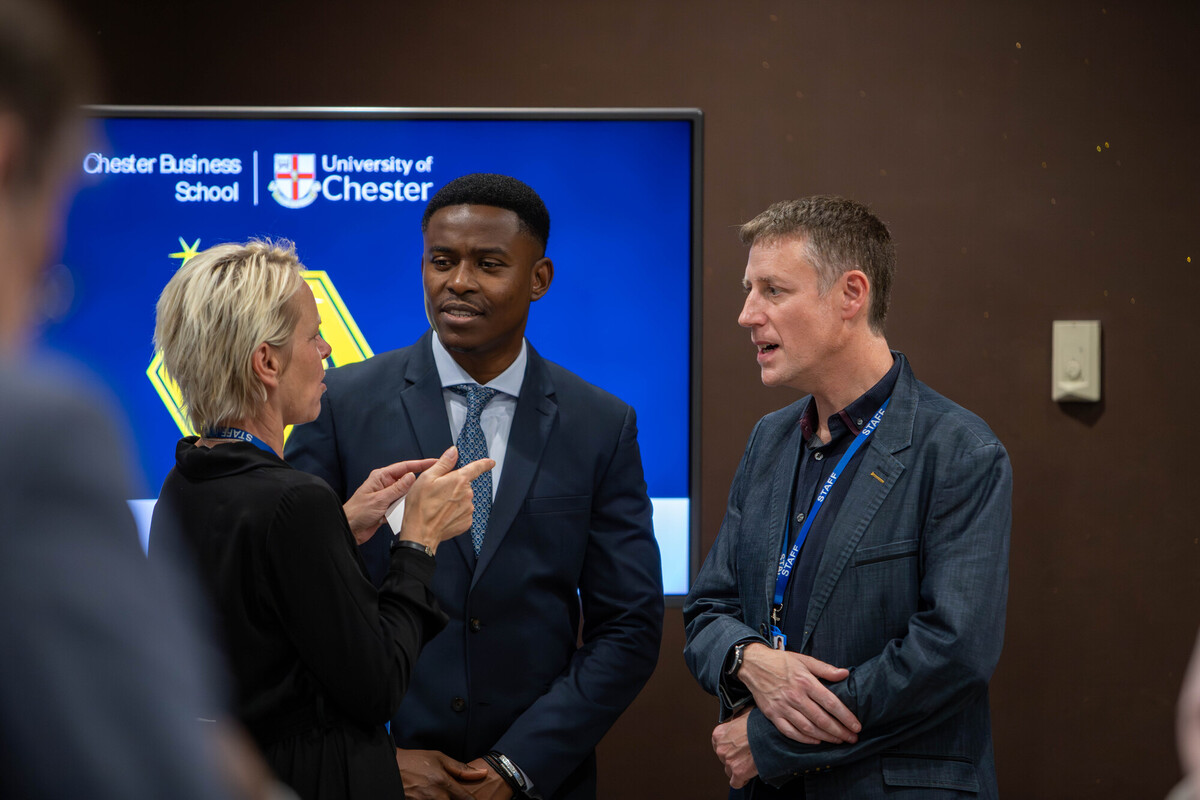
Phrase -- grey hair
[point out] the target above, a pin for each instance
(839, 235)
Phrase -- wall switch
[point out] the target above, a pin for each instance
(1075, 366)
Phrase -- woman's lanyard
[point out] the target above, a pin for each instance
(787, 560)
(240, 435)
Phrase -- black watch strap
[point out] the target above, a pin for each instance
(507, 770)
(424, 548)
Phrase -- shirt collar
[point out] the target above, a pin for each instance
(452, 374)
(852, 418)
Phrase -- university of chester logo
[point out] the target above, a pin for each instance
(295, 184)
(337, 327)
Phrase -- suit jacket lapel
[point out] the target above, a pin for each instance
(783, 486)
(426, 411)
(877, 473)
(423, 403)
(534, 419)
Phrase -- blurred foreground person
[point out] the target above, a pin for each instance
(320, 658)
(101, 675)
(1188, 731)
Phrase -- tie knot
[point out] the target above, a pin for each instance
(477, 396)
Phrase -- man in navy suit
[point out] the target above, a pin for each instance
(513, 685)
(851, 611)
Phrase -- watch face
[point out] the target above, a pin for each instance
(737, 659)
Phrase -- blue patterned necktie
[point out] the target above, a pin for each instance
(472, 447)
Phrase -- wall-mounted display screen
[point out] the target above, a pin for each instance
(349, 186)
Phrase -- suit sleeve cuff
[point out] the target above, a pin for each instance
(530, 789)
(733, 692)
(770, 760)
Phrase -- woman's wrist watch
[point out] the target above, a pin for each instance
(424, 548)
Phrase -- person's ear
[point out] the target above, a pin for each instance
(266, 364)
(543, 274)
(855, 293)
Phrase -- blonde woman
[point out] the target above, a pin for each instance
(320, 658)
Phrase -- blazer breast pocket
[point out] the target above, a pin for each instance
(557, 527)
(884, 583)
(886, 552)
(557, 505)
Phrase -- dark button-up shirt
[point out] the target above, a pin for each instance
(817, 461)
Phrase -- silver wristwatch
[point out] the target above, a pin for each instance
(738, 652)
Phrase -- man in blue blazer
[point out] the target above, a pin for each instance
(851, 611)
(513, 684)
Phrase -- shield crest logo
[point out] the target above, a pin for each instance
(295, 184)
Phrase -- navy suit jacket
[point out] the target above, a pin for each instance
(570, 531)
(910, 596)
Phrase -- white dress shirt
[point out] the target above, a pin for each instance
(497, 416)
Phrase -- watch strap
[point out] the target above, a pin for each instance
(508, 771)
(409, 543)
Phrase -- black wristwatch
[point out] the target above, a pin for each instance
(739, 651)
(508, 771)
(424, 548)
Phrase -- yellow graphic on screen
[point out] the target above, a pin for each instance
(187, 252)
(337, 327)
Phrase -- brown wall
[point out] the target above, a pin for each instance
(972, 128)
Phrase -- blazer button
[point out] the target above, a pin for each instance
(475, 625)
(458, 704)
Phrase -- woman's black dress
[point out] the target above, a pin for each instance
(320, 659)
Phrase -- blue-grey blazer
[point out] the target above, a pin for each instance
(910, 596)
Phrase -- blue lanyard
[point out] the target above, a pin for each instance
(240, 435)
(787, 560)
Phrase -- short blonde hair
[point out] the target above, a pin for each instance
(214, 312)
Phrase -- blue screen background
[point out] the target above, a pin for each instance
(619, 193)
